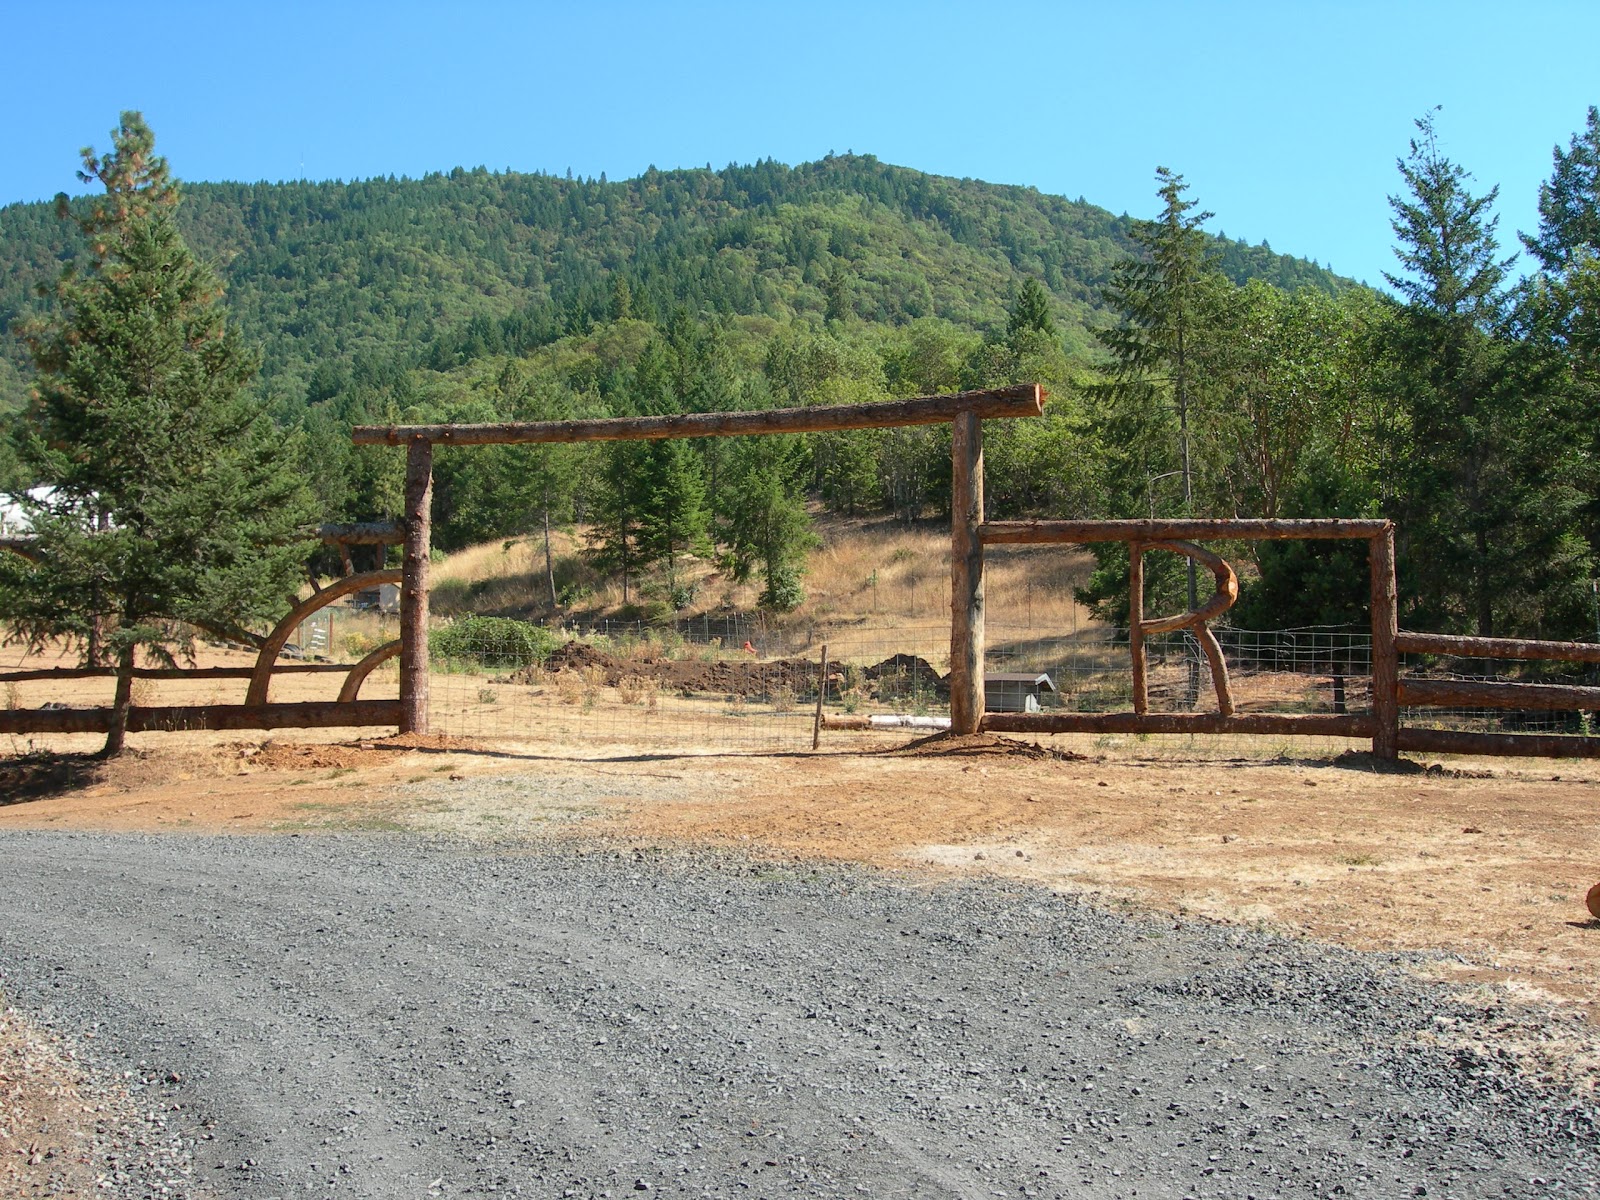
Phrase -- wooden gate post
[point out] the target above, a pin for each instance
(1385, 654)
(966, 573)
(414, 587)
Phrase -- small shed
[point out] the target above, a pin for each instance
(384, 598)
(1017, 692)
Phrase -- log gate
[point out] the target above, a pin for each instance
(970, 533)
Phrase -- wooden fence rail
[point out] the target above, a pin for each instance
(315, 714)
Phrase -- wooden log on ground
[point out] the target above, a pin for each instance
(1021, 400)
(1385, 658)
(1293, 724)
(1531, 745)
(846, 721)
(966, 573)
(287, 668)
(267, 659)
(319, 714)
(996, 533)
(1484, 693)
(414, 588)
(1477, 647)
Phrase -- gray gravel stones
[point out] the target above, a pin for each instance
(375, 1017)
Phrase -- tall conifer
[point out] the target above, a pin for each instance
(170, 503)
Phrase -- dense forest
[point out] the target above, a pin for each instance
(1187, 372)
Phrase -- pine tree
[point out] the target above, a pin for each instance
(674, 520)
(1171, 299)
(1486, 505)
(1569, 203)
(764, 520)
(172, 504)
(1031, 312)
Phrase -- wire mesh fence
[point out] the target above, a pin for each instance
(1500, 720)
(755, 685)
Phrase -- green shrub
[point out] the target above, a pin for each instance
(497, 642)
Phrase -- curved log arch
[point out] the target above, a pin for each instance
(359, 672)
(1221, 601)
(261, 680)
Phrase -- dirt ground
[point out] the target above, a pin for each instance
(1484, 862)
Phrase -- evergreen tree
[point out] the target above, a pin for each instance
(1560, 308)
(1487, 508)
(1031, 311)
(172, 500)
(764, 520)
(1172, 302)
(674, 520)
(1569, 203)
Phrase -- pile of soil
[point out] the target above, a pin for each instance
(952, 745)
(282, 756)
(899, 675)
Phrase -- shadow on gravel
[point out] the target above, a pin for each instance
(40, 775)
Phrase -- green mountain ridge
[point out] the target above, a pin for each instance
(456, 266)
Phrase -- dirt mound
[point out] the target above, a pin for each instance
(951, 745)
(281, 756)
(904, 674)
(721, 677)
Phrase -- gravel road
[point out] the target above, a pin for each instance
(395, 1016)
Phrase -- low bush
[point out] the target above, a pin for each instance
(497, 642)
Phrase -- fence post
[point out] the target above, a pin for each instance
(414, 588)
(966, 573)
(1385, 655)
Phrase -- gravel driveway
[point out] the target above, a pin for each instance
(395, 1016)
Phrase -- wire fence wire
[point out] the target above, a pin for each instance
(744, 683)
(1500, 720)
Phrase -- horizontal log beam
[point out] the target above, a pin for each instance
(1308, 724)
(1529, 745)
(1022, 400)
(1475, 693)
(364, 533)
(1178, 529)
(1481, 647)
(290, 668)
(319, 714)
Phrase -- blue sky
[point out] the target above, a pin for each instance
(1285, 118)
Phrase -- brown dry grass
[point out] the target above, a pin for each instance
(867, 573)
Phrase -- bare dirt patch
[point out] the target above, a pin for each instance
(1486, 864)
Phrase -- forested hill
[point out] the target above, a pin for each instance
(440, 270)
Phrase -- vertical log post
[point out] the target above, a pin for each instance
(1141, 690)
(414, 588)
(966, 573)
(1385, 655)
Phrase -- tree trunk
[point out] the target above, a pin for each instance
(117, 734)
